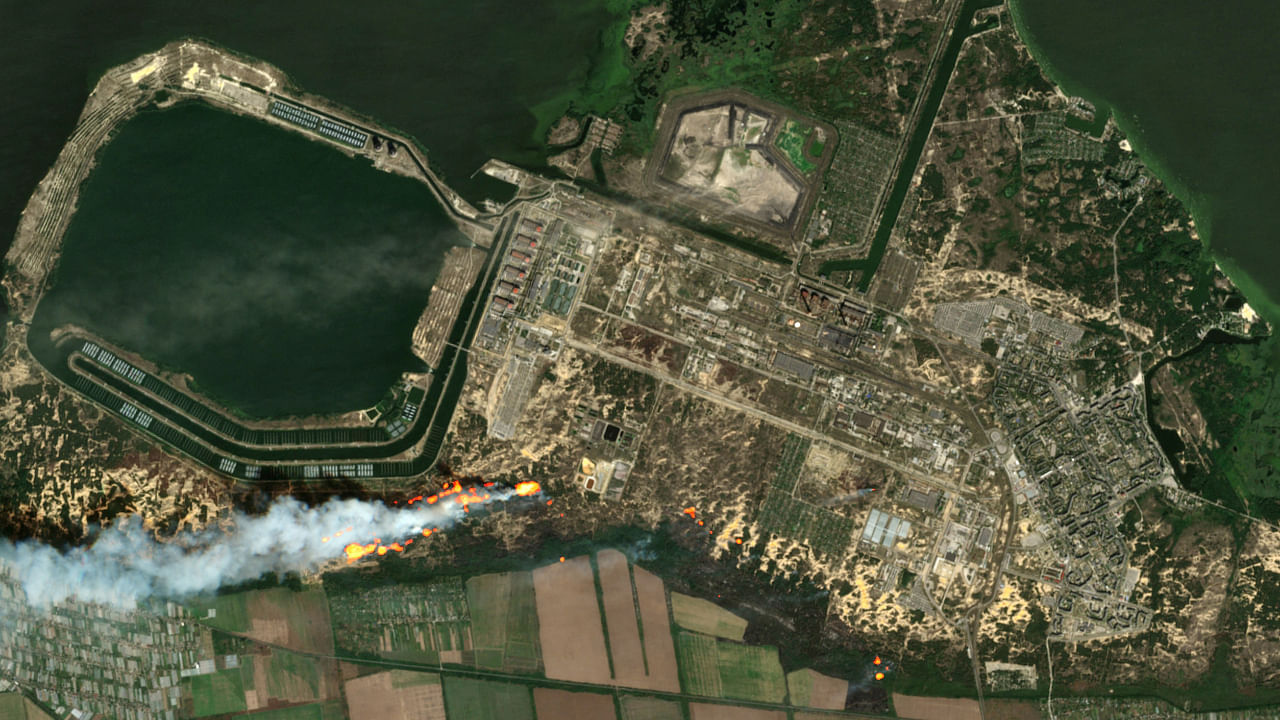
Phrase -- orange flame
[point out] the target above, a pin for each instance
(465, 498)
(690, 512)
(355, 551)
(876, 661)
(879, 676)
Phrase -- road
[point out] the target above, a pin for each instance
(972, 643)
(762, 415)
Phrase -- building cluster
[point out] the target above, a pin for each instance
(1077, 463)
(826, 347)
(81, 660)
(547, 259)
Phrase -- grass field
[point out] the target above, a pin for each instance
(292, 677)
(792, 141)
(809, 688)
(504, 621)
(523, 646)
(646, 708)
(699, 664)
(218, 693)
(231, 612)
(12, 707)
(706, 617)
(248, 669)
(749, 672)
(483, 700)
(395, 695)
(304, 617)
(799, 687)
(298, 620)
(315, 711)
(488, 597)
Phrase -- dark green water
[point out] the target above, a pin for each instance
(1196, 86)
(284, 276)
(470, 80)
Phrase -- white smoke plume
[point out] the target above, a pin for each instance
(125, 564)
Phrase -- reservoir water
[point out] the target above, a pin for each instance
(283, 275)
(469, 80)
(1194, 86)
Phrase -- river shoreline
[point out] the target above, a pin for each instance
(1198, 205)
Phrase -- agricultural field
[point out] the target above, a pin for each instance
(485, 700)
(504, 622)
(421, 622)
(718, 668)
(289, 677)
(794, 451)
(704, 616)
(827, 532)
(576, 705)
(928, 708)
(699, 711)
(699, 664)
(573, 644)
(808, 688)
(646, 708)
(225, 612)
(640, 646)
(618, 600)
(218, 693)
(395, 695)
(659, 648)
(315, 711)
(750, 672)
(254, 682)
(298, 620)
(13, 706)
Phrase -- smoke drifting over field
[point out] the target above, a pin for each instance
(125, 564)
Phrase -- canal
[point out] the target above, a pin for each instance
(866, 267)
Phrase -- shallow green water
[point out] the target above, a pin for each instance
(470, 80)
(1194, 85)
(283, 275)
